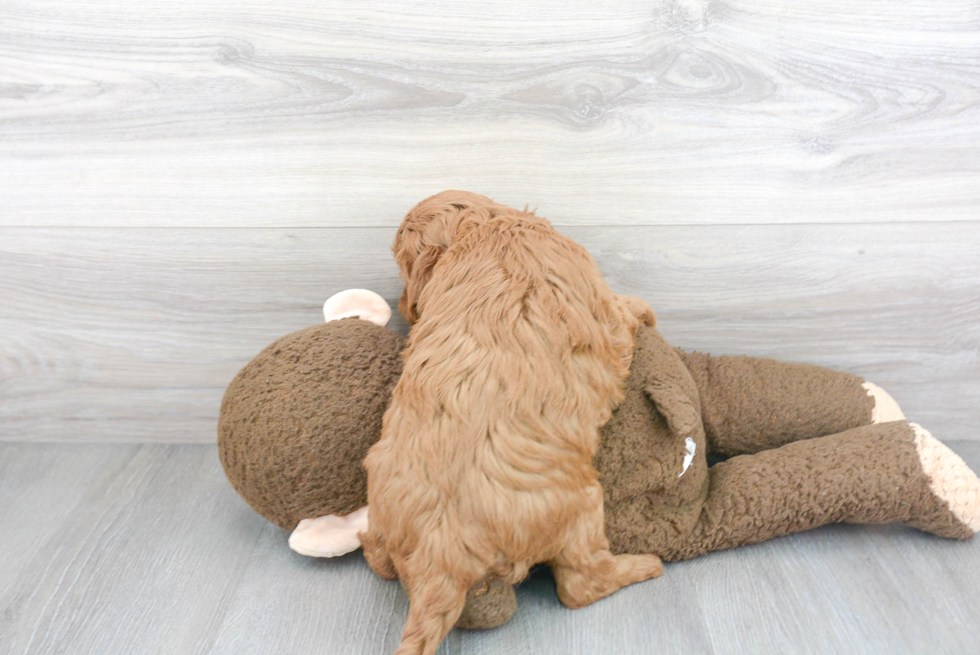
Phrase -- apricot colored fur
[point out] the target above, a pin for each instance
(516, 358)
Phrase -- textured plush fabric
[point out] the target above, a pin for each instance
(488, 604)
(870, 474)
(297, 421)
(642, 450)
(751, 403)
(862, 474)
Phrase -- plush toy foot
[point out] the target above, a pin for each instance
(886, 409)
(489, 603)
(952, 482)
(329, 536)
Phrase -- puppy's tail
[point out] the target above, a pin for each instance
(435, 604)
(436, 595)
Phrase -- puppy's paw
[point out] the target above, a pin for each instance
(641, 567)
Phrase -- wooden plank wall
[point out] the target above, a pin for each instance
(182, 182)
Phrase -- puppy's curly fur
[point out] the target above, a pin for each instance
(517, 357)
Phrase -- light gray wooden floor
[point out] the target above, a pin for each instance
(131, 549)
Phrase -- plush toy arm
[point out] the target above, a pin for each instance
(329, 536)
(890, 472)
(750, 404)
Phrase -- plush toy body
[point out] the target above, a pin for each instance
(806, 446)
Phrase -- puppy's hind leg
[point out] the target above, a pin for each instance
(586, 571)
(376, 553)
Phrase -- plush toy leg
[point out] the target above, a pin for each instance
(885, 409)
(950, 480)
(489, 603)
(751, 404)
(873, 474)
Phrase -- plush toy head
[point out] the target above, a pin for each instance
(297, 421)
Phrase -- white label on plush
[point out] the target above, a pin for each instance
(691, 448)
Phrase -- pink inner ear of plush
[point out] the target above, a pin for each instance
(361, 303)
(329, 536)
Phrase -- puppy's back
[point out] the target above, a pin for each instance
(516, 361)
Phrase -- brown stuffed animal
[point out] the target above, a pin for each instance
(806, 446)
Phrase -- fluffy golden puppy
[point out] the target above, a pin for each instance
(516, 358)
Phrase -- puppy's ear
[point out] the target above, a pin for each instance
(420, 276)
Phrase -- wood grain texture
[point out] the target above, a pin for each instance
(182, 182)
(146, 549)
(304, 113)
(133, 334)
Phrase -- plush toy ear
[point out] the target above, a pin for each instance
(329, 536)
(420, 275)
(681, 416)
(357, 302)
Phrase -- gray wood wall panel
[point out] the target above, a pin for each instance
(182, 182)
(146, 549)
(294, 113)
(132, 334)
